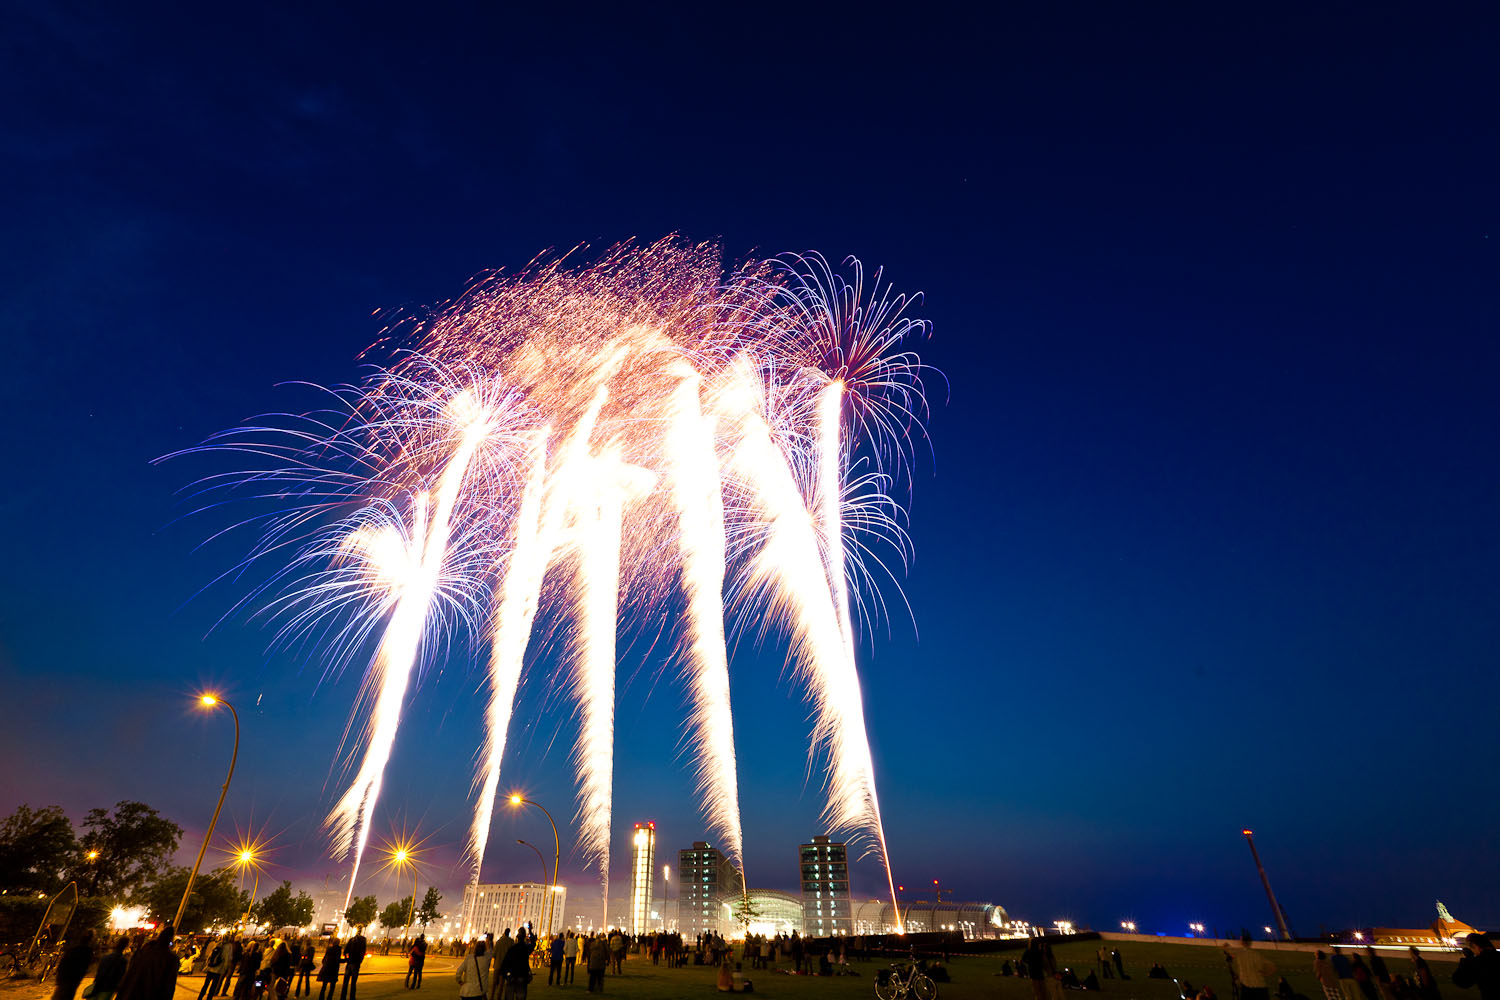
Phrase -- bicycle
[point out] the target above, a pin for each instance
(21, 961)
(889, 984)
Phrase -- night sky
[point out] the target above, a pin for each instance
(1210, 537)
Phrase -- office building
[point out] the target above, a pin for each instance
(642, 878)
(825, 888)
(491, 908)
(972, 920)
(704, 878)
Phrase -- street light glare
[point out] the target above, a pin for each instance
(515, 800)
(246, 857)
(209, 700)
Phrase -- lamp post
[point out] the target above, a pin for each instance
(517, 799)
(547, 902)
(401, 857)
(210, 701)
(666, 894)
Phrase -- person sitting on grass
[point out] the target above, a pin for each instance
(1158, 971)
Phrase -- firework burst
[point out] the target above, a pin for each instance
(602, 441)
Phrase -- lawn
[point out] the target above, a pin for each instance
(972, 977)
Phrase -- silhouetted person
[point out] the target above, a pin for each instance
(75, 961)
(1426, 982)
(328, 971)
(473, 973)
(1480, 967)
(111, 970)
(597, 960)
(1252, 969)
(555, 960)
(354, 957)
(305, 964)
(152, 974)
(1119, 962)
(415, 959)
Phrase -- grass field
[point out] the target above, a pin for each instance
(972, 977)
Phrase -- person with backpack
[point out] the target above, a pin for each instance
(473, 973)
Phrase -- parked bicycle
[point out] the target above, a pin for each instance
(904, 979)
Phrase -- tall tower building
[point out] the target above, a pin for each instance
(825, 888)
(704, 877)
(642, 871)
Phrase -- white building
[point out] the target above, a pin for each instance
(643, 914)
(491, 908)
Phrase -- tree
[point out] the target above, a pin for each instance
(37, 849)
(216, 900)
(135, 847)
(281, 909)
(393, 917)
(361, 911)
(428, 911)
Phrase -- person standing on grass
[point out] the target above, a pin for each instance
(598, 959)
(473, 973)
(1422, 975)
(555, 960)
(213, 971)
(570, 957)
(152, 974)
(71, 967)
(1119, 962)
(328, 972)
(1327, 978)
(305, 965)
(1345, 971)
(354, 957)
(1480, 967)
(111, 970)
(415, 959)
(1253, 970)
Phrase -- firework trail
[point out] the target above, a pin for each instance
(350, 820)
(699, 497)
(646, 434)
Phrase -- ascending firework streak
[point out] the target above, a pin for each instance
(603, 444)
(350, 820)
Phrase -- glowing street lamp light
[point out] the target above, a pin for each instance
(517, 799)
(401, 854)
(210, 701)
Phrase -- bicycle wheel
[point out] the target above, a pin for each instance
(8, 964)
(923, 988)
(888, 988)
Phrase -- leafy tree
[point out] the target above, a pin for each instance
(393, 917)
(281, 909)
(427, 912)
(361, 911)
(37, 849)
(216, 898)
(135, 846)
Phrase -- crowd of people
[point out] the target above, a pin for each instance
(236, 967)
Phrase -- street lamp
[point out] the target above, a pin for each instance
(246, 859)
(666, 893)
(402, 855)
(539, 857)
(517, 799)
(210, 701)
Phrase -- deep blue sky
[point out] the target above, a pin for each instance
(1212, 535)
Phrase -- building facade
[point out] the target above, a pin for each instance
(972, 920)
(704, 877)
(491, 908)
(772, 912)
(642, 878)
(825, 888)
